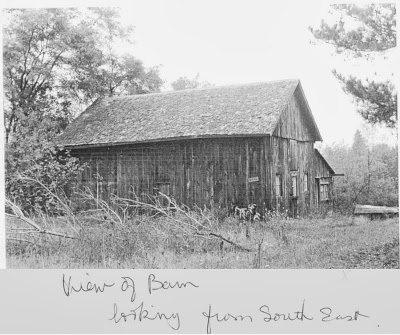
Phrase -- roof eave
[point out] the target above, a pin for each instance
(180, 138)
(324, 160)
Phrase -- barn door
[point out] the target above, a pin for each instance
(317, 193)
(294, 193)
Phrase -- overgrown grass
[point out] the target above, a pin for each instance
(153, 242)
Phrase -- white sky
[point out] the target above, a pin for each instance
(240, 41)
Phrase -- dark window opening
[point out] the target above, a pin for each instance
(294, 192)
(324, 189)
(253, 160)
(293, 188)
(278, 185)
(305, 182)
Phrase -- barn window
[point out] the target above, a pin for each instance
(305, 182)
(253, 160)
(278, 185)
(293, 189)
(324, 189)
(161, 175)
(293, 184)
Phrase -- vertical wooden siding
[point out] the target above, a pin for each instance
(197, 172)
(203, 172)
(290, 156)
(294, 123)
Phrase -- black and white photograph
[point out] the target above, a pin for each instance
(201, 135)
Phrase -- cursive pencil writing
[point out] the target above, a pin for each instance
(327, 312)
(299, 315)
(88, 286)
(223, 318)
(129, 285)
(154, 284)
(141, 314)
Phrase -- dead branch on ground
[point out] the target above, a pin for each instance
(37, 229)
(197, 224)
(63, 204)
(102, 206)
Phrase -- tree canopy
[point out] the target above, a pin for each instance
(370, 173)
(360, 32)
(184, 83)
(54, 57)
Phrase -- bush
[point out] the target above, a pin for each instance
(36, 171)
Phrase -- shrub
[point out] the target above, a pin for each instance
(36, 171)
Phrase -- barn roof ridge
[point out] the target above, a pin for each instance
(216, 87)
(228, 110)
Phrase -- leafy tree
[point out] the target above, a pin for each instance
(360, 146)
(115, 75)
(32, 160)
(101, 71)
(66, 53)
(55, 59)
(360, 32)
(384, 175)
(36, 43)
(184, 83)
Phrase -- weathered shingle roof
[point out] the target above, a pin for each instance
(239, 110)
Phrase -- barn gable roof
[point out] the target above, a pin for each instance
(235, 110)
(318, 154)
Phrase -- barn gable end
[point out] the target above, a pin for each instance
(296, 121)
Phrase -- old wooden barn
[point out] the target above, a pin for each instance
(240, 144)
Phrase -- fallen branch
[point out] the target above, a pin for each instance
(226, 240)
(55, 234)
(66, 208)
(198, 229)
(105, 207)
(197, 223)
(22, 229)
(20, 215)
(165, 211)
(22, 240)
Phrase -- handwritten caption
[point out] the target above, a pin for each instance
(140, 311)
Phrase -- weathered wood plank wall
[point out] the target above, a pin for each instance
(197, 172)
(202, 172)
(294, 122)
(324, 175)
